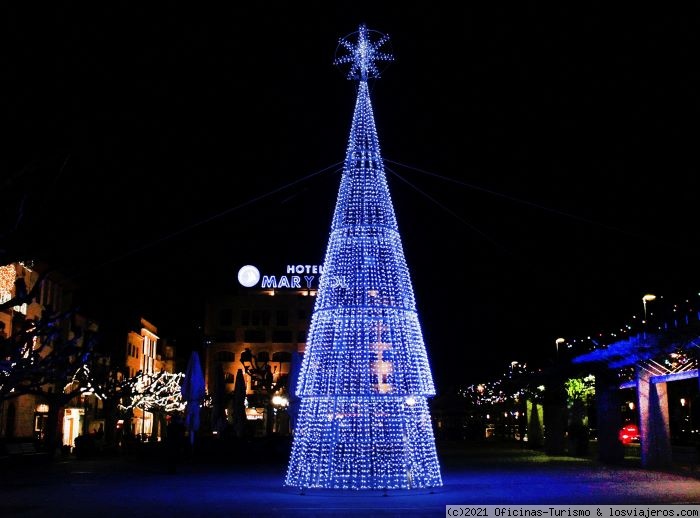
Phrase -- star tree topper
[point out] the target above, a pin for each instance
(363, 53)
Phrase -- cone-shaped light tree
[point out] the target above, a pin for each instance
(364, 381)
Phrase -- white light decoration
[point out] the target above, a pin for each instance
(280, 401)
(365, 379)
(157, 392)
(8, 274)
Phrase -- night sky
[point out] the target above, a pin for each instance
(542, 163)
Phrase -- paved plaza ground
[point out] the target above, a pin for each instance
(141, 486)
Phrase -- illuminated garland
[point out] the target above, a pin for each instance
(156, 392)
(8, 274)
(666, 317)
(365, 379)
(500, 391)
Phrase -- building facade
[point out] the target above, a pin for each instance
(30, 416)
(257, 332)
(147, 355)
(21, 416)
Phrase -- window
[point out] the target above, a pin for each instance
(40, 422)
(226, 337)
(254, 336)
(301, 337)
(256, 318)
(282, 317)
(245, 317)
(226, 356)
(282, 336)
(226, 317)
(229, 378)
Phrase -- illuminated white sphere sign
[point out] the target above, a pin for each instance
(248, 276)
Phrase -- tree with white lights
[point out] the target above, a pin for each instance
(155, 392)
(365, 379)
(46, 356)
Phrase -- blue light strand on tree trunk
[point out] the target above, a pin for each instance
(364, 421)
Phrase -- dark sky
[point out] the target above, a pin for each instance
(566, 139)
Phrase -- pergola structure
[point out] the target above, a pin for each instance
(660, 352)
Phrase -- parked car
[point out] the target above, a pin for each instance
(629, 433)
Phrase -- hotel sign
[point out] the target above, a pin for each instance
(296, 276)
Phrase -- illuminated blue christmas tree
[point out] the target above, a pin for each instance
(365, 379)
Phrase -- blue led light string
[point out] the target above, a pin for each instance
(364, 421)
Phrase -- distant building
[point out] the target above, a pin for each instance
(142, 357)
(146, 355)
(258, 331)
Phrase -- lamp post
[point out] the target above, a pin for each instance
(647, 298)
(280, 403)
(261, 376)
(257, 368)
(557, 342)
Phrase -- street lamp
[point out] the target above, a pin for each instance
(260, 372)
(280, 401)
(257, 368)
(557, 342)
(647, 298)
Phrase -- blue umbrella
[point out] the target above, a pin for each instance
(193, 393)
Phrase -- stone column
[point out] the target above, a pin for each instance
(654, 427)
(534, 424)
(555, 416)
(608, 416)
